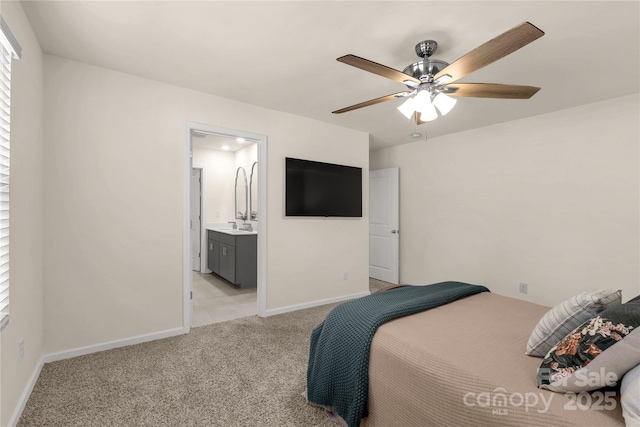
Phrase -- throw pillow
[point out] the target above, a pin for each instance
(629, 393)
(596, 354)
(568, 315)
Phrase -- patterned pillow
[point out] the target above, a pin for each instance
(595, 354)
(568, 315)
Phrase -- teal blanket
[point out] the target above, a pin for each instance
(338, 371)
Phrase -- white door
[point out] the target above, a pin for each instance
(196, 212)
(384, 235)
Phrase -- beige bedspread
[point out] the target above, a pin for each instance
(452, 366)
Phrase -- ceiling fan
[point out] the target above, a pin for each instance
(431, 82)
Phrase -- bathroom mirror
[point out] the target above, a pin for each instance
(241, 196)
(253, 192)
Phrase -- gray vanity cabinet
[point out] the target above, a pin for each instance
(228, 260)
(213, 253)
(234, 258)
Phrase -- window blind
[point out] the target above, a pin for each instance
(9, 48)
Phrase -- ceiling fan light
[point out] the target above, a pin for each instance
(428, 115)
(423, 101)
(425, 107)
(407, 108)
(444, 103)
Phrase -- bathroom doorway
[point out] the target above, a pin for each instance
(232, 240)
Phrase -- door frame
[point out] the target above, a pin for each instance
(203, 234)
(186, 214)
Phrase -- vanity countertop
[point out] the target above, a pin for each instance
(231, 231)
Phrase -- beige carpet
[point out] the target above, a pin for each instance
(244, 372)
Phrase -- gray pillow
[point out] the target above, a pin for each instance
(568, 315)
(630, 393)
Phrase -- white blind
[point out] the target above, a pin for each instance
(7, 51)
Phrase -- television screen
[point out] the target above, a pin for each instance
(322, 189)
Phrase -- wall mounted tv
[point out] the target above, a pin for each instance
(322, 189)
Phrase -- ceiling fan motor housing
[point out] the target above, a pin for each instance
(425, 70)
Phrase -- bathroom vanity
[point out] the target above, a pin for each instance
(233, 255)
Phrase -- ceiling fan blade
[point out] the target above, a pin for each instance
(379, 69)
(491, 51)
(371, 102)
(492, 90)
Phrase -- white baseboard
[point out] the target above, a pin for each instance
(310, 304)
(81, 351)
(24, 397)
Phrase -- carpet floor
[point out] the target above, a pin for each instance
(244, 372)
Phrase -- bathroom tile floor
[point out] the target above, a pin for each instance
(215, 300)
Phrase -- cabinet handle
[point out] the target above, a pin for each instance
(224, 251)
(210, 246)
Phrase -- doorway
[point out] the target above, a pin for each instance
(219, 215)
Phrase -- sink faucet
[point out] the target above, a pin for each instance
(246, 226)
(234, 225)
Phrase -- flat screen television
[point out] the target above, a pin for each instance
(322, 189)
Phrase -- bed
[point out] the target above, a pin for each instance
(463, 364)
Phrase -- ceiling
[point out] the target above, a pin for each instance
(281, 55)
(218, 142)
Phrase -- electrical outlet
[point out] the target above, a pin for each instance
(217, 214)
(345, 275)
(524, 288)
(21, 350)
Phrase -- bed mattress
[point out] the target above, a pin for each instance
(463, 364)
